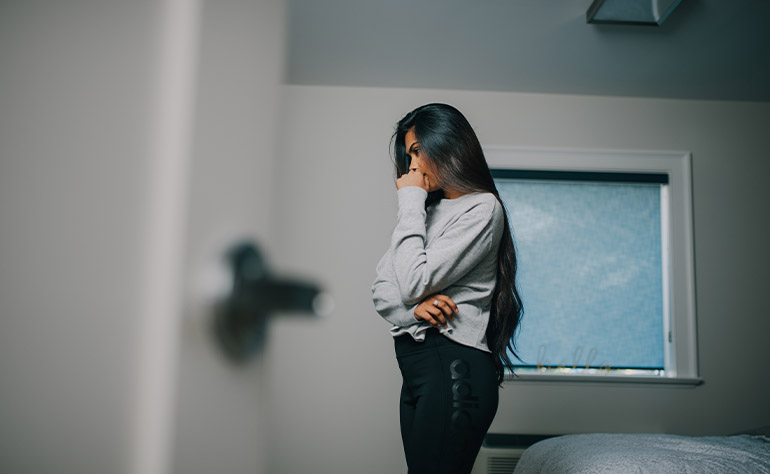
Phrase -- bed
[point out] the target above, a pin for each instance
(647, 453)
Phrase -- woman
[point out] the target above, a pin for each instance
(447, 284)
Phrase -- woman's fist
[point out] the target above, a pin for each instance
(414, 177)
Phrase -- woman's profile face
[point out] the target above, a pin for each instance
(419, 161)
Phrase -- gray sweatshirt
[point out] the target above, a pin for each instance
(452, 250)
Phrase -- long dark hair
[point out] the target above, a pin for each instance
(449, 143)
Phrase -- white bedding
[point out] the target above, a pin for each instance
(647, 453)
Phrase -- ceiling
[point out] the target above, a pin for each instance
(706, 49)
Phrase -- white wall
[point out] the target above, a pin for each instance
(334, 381)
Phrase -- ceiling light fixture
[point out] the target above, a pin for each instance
(630, 12)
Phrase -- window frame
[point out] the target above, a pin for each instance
(680, 353)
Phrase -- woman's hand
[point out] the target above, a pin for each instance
(414, 177)
(436, 309)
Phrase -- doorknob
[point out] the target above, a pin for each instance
(240, 319)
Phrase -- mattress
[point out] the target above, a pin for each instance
(647, 453)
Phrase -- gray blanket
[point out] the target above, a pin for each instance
(647, 453)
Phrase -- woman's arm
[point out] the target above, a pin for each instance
(435, 309)
(387, 298)
(421, 271)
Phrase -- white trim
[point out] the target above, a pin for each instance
(170, 160)
(676, 164)
(684, 276)
(669, 359)
(610, 379)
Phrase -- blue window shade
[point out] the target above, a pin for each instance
(589, 271)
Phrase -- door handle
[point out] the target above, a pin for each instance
(240, 319)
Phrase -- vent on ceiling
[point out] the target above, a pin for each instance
(630, 12)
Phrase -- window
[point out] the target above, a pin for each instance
(603, 251)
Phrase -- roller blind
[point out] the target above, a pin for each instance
(591, 267)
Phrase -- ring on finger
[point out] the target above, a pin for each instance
(435, 302)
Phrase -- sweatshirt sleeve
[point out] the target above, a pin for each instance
(387, 298)
(420, 271)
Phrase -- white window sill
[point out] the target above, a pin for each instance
(612, 379)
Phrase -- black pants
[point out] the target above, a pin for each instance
(449, 398)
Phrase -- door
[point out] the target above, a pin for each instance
(136, 145)
(216, 410)
(220, 414)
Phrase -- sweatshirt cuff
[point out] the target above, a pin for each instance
(412, 196)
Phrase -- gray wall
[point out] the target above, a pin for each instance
(334, 381)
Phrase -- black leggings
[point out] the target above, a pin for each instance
(448, 400)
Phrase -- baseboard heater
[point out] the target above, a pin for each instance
(500, 453)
